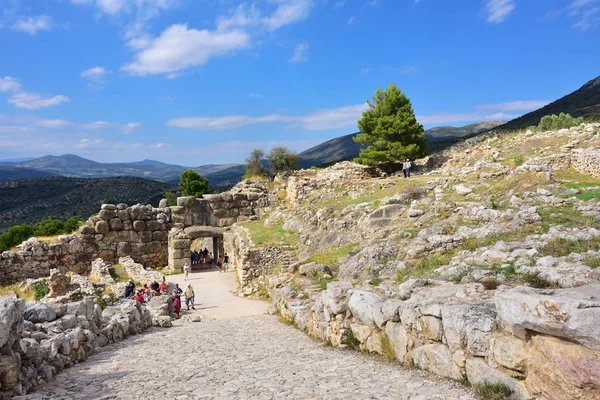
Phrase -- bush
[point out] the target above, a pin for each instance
(73, 224)
(41, 289)
(14, 236)
(555, 122)
(536, 281)
(49, 227)
(490, 284)
(171, 199)
(282, 160)
(493, 391)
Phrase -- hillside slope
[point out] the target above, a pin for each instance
(331, 151)
(444, 133)
(8, 173)
(584, 102)
(33, 200)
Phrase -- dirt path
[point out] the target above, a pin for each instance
(214, 297)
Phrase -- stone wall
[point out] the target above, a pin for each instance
(541, 343)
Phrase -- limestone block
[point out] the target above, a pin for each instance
(221, 213)
(111, 207)
(243, 203)
(128, 236)
(558, 369)
(212, 198)
(314, 269)
(160, 236)
(246, 211)
(187, 201)
(398, 339)
(139, 226)
(139, 212)
(431, 328)
(508, 351)
(106, 215)
(115, 224)
(101, 227)
(9, 375)
(155, 247)
(153, 225)
(180, 243)
(234, 212)
(127, 225)
(337, 295)
(178, 253)
(226, 197)
(240, 197)
(227, 221)
(163, 203)
(138, 249)
(178, 210)
(361, 332)
(38, 312)
(479, 372)
(253, 196)
(387, 211)
(123, 249)
(86, 230)
(570, 313)
(362, 305)
(437, 359)
(122, 206)
(469, 326)
(123, 215)
(145, 236)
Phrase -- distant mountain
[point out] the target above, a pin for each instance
(8, 173)
(33, 200)
(442, 133)
(16, 160)
(151, 163)
(584, 102)
(330, 152)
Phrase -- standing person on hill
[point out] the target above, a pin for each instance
(186, 271)
(177, 299)
(205, 254)
(189, 296)
(226, 262)
(406, 166)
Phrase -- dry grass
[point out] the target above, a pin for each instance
(333, 255)
(26, 294)
(387, 350)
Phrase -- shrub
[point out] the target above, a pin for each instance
(49, 227)
(99, 298)
(555, 122)
(73, 223)
(536, 281)
(171, 199)
(519, 160)
(493, 391)
(41, 289)
(376, 281)
(490, 284)
(14, 236)
(592, 262)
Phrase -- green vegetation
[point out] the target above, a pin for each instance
(192, 184)
(40, 289)
(25, 294)
(324, 282)
(592, 262)
(104, 298)
(424, 266)
(560, 247)
(282, 160)
(271, 234)
(118, 273)
(376, 281)
(50, 227)
(565, 216)
(390, 129)
(492, 391)
(14, 236)
(332, 256)
(171, 198)
(350, 340)
(254, 165)
(387, 350)
(536, 281)
(555, 122)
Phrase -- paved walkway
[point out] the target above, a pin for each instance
(237, 357)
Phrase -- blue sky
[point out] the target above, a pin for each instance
(197, 82)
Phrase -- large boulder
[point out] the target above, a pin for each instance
(469, 326)
(314, 269)
(363, 305)
(558, 369)
(100, 272)
(11, 320)
(38, 312)
(569, 313)
(437, 359)
(336, 296)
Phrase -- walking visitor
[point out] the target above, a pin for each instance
(189, 296)
(406, 166)
(186, 271)
(177, 299)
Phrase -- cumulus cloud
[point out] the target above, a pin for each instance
(33, 25)
(34, 101)
(179, 47)
(498, 10)
(288, 12)
(93, 72)
(8, 84)
(300, 54)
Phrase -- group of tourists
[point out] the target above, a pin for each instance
(145, 293)
(199, 259)
(202, 257)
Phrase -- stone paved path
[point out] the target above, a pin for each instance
(232, 357)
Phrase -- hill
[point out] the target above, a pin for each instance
(329, 152)
(584, 102)
(8, 173)
(33, 200)
(444, 133)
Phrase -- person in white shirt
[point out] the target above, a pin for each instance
(406, 166)
(186, 271)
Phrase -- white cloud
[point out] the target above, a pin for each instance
(256, 95)
(289, 11)
(342, 117)
(130, 127)
(32, 25)
(127, 129)
(8, 84)
(93, 72)
(300, 54)
(498, 10)
(54, 123)
(178, 48)
(587, 13)
(34, 101)
(527, 105)
(111, 6)
(350, 21)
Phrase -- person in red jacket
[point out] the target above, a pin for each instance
(140, 296)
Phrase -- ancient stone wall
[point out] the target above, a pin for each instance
(541, 343)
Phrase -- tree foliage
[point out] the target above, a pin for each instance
(73, 223)
(390, 129)
(556, 122)
(192, 184)
(49, 227)
(254, 165)
(14, 236)
(282, 159)
(171, 198)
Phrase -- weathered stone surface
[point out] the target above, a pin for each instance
(570, 313)
(558, 369)
(102, 227)
(479, 372)
(314, 269)
(336, 297)
(153, 225)
(509, 352)
(116, 224)
(9, 374)
(163, 203)
(11, 320)
(362, 305)
(123, 249)
(469, 326)
(139, 226)
(437, 359)
(38, 312)
(399, 340)
(106, 215)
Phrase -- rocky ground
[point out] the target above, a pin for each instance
(241, 358)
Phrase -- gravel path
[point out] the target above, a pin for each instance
(254, 357)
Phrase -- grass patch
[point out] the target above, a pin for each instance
(118, 273)
(387, 350)
(490, 284)
(323, 283)
(565, 216)
(40, 289)
(560, 247)
(592, 262)
(331, 257)
(536, 281)
(376, 281)
(572, 179)
(350, 340)
(589, 195)
(525, 182)
(270, 235)
(25, 294)
(263, 291)
(424, 266)
(492, 391)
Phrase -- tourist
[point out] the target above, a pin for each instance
(226, 262)
(186, 271)
(147, 293)
(129, 289)
(140, 296)
(163, 286)
(406, 166)
(210, 258)
(189, 296)
(155, 287)
(220, 264)
(177, 299)
(205, 253)
(201, 261)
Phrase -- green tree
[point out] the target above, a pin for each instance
(171, 199)
(254, 165)
(49, 227)
(192, 184)
(15, 235)
(282, 159)
(73, 223)
(556, 122)
(390, 129)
